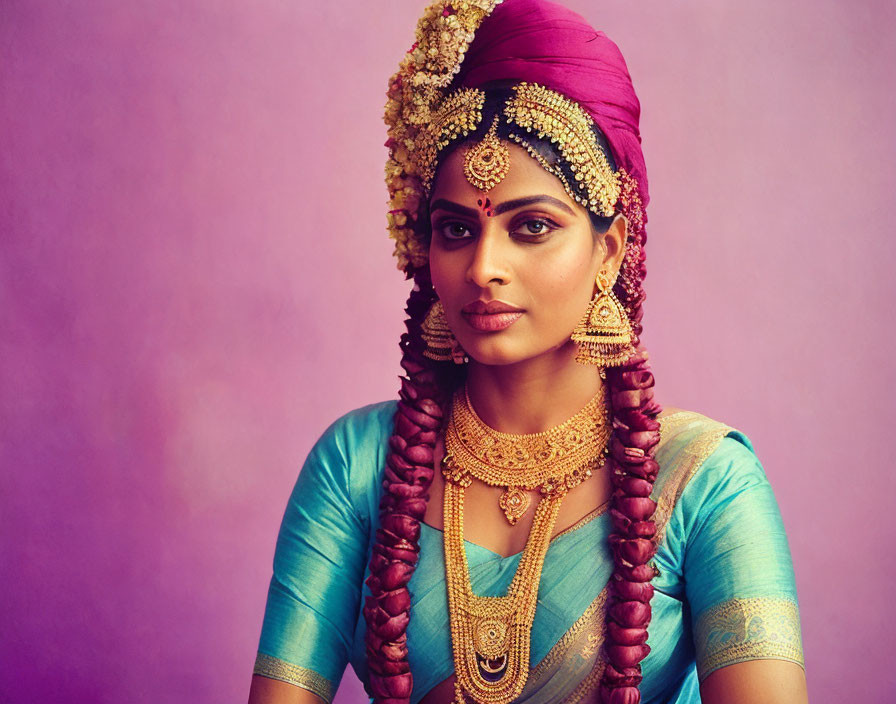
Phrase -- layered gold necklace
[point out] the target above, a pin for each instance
(490, 636)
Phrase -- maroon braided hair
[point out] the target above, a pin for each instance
(633, 441)
(409, 472)
(408, 476)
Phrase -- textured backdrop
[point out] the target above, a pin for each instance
(195, 281)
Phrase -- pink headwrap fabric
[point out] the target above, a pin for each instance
(542, 42)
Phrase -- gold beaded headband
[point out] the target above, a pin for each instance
(550, 115)
(537, 110)
(458, 115)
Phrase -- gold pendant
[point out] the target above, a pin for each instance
(487, 163)
(490, 636)
(514, 503)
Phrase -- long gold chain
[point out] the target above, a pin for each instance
(490, 636)
(551, 461)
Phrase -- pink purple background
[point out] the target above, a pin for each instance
(195, 280)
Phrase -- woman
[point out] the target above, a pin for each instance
(570, 511)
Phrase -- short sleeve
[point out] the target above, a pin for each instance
(737, 567)
(319, 563)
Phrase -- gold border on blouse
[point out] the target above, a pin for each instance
(277, 669)
(757, 628)
(694, 454)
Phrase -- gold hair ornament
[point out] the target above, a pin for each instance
(604, 334)
(487, 163)
(553, 116)
(459, 114)
(415, 92)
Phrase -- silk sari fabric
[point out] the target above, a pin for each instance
(725, 592)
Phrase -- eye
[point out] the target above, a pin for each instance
(534, 228)
(453, 230)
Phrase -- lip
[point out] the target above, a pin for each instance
(490, 316)
(481, 307)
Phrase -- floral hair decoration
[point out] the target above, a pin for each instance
(415, 96)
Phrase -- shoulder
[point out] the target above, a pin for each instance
(347, 460)
(706, 467)
(689, 441)
(362, 428)
(699, 455)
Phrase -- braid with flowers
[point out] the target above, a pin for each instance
(408, 476)
(636, 432)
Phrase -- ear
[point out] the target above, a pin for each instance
(614, 240)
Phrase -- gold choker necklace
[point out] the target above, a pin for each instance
(490, 636)
(552, 461)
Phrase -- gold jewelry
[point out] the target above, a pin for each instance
(490, 636)
(487, 163)
(441, 345)
(604, 334)
(459, 114)
(549, 114)
(553, 461)
(416, 90)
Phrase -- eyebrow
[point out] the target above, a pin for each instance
(442, 204)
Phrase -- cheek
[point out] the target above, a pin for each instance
(438, 263)
(563, 279)
(442, 272)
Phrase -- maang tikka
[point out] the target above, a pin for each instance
(441, 345)
(604, 335)
(486, 164)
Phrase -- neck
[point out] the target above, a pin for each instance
(533, 395)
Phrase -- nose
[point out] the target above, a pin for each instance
(489, 261)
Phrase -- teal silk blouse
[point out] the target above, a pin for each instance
(725, 591)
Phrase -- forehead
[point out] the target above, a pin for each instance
(526, 177)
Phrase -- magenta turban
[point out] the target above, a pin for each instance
(541, 42)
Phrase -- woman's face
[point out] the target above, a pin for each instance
(535, 257)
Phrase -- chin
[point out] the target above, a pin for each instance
(500, 353)
(491, 352)
(494, 360)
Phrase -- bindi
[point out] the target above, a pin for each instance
(485, 205)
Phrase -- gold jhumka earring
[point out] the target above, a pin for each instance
(441, 344)
(604, 335)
